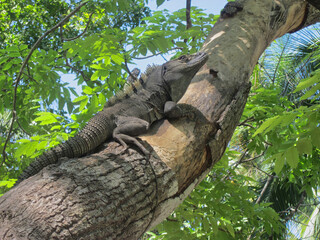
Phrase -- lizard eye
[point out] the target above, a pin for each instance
(183, 58)
(164, 70)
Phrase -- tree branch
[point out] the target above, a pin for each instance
(84, 31)
(270, 178)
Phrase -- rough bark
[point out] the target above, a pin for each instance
(109, 195)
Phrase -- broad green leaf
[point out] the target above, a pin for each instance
(95, 101)
(307, 83)
(13, 48)
(61, 103)
(79, 99)
(73, 91)
(268, 125)
(96, 66)
(83, 103)
(117, 59)
(160, 2)
(311, 92)
(315, 137)
(42, 145)
(230, 230)
(23, 46)
(7, 184)
(287, 118)
(66, 93)
(292, 157)
(95, 75)
(7, 66)
(304, 146)
(14, 54)
(46, 118)
(27, 149)
(102, 99)
(58, 127)
(87, 90)
(279, 163)
(70, 107)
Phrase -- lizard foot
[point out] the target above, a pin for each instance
(124, 139)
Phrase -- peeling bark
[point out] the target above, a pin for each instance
(109, 195)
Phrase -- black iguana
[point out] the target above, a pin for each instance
(128, 114)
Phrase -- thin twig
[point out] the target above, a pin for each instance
(188, 18)
(128, 70)
(34, 47)
(29, 74)
(250, 119)
(255, 166)
(302, 197)
(270, 178)
(253, 158)
(22, 128)
(235, 165)
(84, 31)
(30, 77)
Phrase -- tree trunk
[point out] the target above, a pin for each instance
(113, 195)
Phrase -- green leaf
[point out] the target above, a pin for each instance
(14, 54)
(160, 2)
(230, 229)
(23, 46)
(143, 50)
(79, 99)
(311, 92)
(70, 107)
(95, 75)
(268, 125)
(292, 157)
(7, 184)
(96, 66)
(73, 91)
(102, 99)
(58, 127)
(279, 162)
(87, 90)
(66, 93)
(315, 137)
(95, 101)
(46, 118)
(304, 146)
(307, 83)
(83, 103)
(7, 66)
(13, 48)
(117, 59)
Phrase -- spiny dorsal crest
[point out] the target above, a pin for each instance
(131, 87)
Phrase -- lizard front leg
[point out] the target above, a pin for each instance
(173, 110)
(127, 128)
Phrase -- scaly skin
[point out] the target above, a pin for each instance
(128, 117)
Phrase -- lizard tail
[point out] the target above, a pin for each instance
(91, 136)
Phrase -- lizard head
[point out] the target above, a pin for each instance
(178, 73)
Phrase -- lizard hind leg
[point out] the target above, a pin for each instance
(127, 128)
